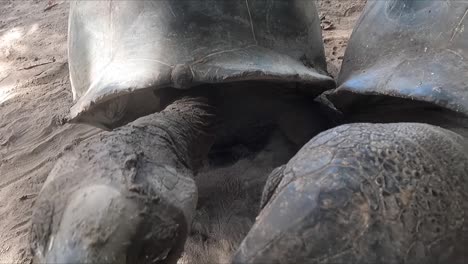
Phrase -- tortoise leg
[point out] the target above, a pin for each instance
(366, 193)
(125, 196)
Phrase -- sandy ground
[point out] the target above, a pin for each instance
(35, 96)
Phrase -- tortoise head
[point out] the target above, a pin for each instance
(101, 225)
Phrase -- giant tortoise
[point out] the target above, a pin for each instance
(387, 187)
(171, 79)
(390, 185)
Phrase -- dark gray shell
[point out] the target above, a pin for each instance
(364, 194)
(121, 51)
(409, 49)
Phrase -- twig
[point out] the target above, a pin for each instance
(36, 65)
(27, 196)
(50, 6)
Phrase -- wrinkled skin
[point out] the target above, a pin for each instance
(128, 195)
(370, 193)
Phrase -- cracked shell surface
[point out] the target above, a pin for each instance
(385, 193)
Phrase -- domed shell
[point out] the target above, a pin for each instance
(408, 49)
(120, 52)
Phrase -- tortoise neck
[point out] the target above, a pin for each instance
(185, 128)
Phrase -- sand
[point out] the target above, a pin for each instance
(35, 96)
